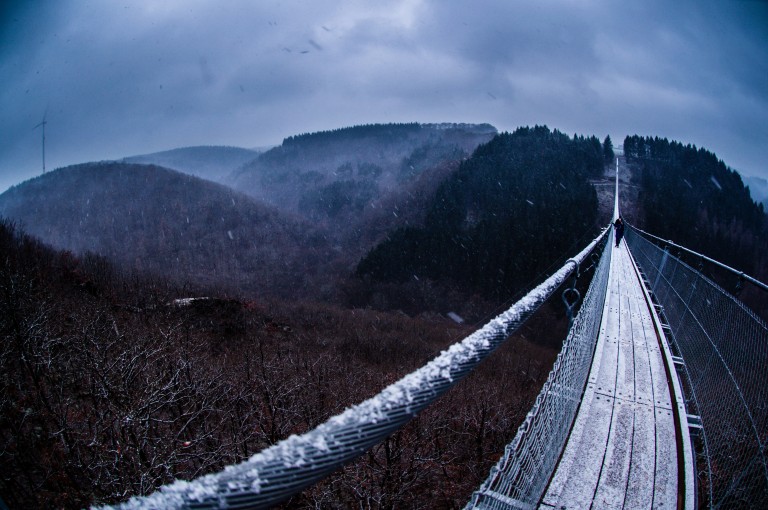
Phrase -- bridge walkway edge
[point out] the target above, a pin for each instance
(624, 443)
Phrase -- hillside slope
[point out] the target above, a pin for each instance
(293, 237)
(521, 201)
(110, 388)
(690, 196)
(758, 189)
(159, 221)
(335, 174)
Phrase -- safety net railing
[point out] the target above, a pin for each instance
(293, 464)
(520, 477)
(724, 351)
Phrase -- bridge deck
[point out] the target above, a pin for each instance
(622, 450)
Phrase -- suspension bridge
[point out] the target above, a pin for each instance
(658, 399)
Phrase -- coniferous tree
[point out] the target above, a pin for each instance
(608, 154)
(690, 196)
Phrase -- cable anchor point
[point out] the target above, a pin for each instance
(571, 296)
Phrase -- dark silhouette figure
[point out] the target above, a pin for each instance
(618, 225)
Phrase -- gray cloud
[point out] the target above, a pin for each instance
(135, 77)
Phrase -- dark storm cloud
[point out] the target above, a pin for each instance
(136, 77)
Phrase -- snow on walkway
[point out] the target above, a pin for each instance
(622, 451)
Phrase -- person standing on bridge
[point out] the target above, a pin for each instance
(618, 225)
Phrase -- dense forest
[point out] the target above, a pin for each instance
(385, 132)
(382, 131)
(691, 197)
(521, 201)
(112, 384)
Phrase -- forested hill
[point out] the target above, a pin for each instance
(333, 175)
(389, 132)
(521, 201)
(162, 222)
(691, 197)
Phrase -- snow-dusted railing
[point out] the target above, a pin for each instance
(754, 281)
(284, 469)
(724, 351)
(520, 477)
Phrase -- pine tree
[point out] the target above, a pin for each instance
(608, 154)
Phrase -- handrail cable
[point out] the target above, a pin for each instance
(519, 478)
(738, 273)
(616, 213)
(282, 470)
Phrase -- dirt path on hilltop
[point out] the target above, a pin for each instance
(628, 193)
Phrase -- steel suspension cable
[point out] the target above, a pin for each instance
(293, 464)
(519, 478)
(738, 273)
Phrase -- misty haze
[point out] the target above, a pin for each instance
(227, 228)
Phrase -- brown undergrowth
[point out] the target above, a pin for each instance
(110, 388)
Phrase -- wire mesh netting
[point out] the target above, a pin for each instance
(520, 477)
(724, 346)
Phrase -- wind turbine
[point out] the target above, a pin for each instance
(43, 123)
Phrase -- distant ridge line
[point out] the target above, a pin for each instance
(387, 128)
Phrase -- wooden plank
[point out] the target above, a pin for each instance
(629, 328)
(659, 385)
(640, 487)
(604, 372)
(625, 368)
(661, 397)
(665, 486)
(602, 338)
(644, 391)
(582, 457)
(612, 487)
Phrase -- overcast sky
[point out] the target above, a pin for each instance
(125, 78)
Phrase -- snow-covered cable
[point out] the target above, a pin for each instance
(520, 477)
(289, 466)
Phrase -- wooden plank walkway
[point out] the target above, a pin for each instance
(622, 450)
